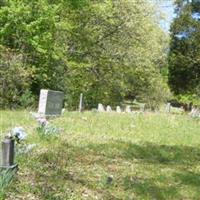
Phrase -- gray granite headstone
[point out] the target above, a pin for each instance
(51, 102)
(8, 154)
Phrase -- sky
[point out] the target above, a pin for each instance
(167, 7)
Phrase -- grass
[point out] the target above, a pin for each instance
(109, 156)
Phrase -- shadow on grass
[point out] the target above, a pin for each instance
(148, 152)
(148, 189)
(51, 170)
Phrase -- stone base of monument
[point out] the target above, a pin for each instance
(11, 167)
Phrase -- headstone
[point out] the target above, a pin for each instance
(8, 153)
(195, 112)
(100, 108)
(142, 108)
(108, 109)
(128, 109)
(63, 111)
(168, 107)
(118, 109)
(81, 103)
(50, 102)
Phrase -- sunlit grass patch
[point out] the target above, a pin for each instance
(111, 156)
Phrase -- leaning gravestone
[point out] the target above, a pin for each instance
(50, 102)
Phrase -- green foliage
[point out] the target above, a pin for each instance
(188, 99)
(6, 176)
(107, 50)
(14, 79)
(184, 59)
(48, 132)
(27, 99)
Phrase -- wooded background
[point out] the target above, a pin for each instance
(111, 51)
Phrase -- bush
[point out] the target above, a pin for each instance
(15, 79)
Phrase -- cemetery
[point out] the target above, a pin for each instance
(100, 100)
(90, 155)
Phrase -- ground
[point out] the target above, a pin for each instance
(108, 156)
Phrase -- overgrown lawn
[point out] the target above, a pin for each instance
(109, 156)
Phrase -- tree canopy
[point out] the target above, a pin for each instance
(109, 50)
(184, 57)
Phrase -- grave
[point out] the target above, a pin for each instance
(50, 102)
(81, 103)
(8, 154)
(128, 109)
(118, 109)
(108, 109)
(168, 107)
(195, 112)
(100, 108)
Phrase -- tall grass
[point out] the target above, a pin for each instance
(6, 176)
(110, 156)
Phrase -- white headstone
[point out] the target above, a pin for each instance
(168, 107)
(50, 102)
(100, 108)
(108, 109)
(118, 109)
(195, 112)
(128, 109)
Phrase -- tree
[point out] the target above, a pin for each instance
(109, 50)
(121, 47)
(14, 80)
(184, 57)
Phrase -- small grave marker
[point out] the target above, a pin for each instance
(195, 112)
(108, 109)
(128, 109)
(100, 108)
(118, 109)
(168, 107)
(8, 153)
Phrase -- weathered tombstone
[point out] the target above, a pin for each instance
(81, 103)
(108, 109)
(168, 107)
(100, 108)
(195, 112)
(8, 153)
(118, 109)
(128, 109)
(50, 102)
